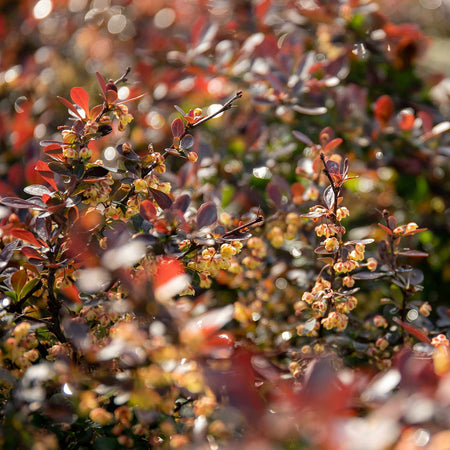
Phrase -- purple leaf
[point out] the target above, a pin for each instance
(163, 200)
(368, 275)
(302, 138)
(413, 253)
(310, 111)
(187, 142)
(15, 202)
(182, 203)
(206, 215)
(6, 253)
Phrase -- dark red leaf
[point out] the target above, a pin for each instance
(182, 203)
(206, 215)
(392, 222)
(162, 199)
(177, 127)
(81, 98)
(274, 193)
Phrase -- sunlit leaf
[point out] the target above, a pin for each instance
(27, 236)
(69, 106)
(81, 98)
(147, 210)
(328, 197)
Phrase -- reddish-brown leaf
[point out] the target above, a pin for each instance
(177, 127)
(30, 252)
(147, 210)
(206, 215)
(332, 145)
(274, 193)
(413, 331)
(163, 200)
(27, 236)
(388, 230)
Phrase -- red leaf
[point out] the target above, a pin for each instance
(332, 144)
(383, 110)
(297, 190)
(147, 210)
(413, 331)
(45, 172)
(405, 120)
(388, 230)
(27, 236)
(111, 96)
(30, 252)
(206, 215)
(81, 98)
(170, 278)
(177, 127)
(72, 293)
(69, 106)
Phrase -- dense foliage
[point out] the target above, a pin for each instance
(237, 236)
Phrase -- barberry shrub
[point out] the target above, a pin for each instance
(186, 278)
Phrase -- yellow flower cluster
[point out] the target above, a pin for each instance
(335, 320)
(210, 261)
(98, 192)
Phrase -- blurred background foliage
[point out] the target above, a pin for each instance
(281, 53)
(353, 68)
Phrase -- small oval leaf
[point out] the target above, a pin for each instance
(162, 199)
(177, 127)
(206, 215)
